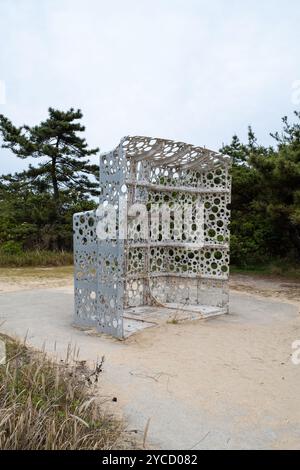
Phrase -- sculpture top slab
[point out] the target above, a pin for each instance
(172, 154)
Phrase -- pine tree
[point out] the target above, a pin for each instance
(64, 167)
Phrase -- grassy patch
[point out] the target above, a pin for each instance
(278, 268)
(51, 272)
(45, 405)
(35, 258)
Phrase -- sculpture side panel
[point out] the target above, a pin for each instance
(85, 272)
(110, 254)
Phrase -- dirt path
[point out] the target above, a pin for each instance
(15, 279)
(227, 382)
(275, 288)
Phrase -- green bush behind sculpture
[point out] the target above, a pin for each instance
(37, 204)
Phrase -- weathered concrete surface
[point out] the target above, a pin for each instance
(227, 382)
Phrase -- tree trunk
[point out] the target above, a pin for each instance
(53, 172)
(54, 178)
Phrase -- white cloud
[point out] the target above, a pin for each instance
(185, 69)
(2, 92)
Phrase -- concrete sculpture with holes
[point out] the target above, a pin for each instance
(123, 281)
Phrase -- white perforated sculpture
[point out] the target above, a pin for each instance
(138, 265)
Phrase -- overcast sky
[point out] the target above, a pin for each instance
(191, 70)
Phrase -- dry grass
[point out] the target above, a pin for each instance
(36, 258)
(45, 405)
(278, 268)
(45, 273)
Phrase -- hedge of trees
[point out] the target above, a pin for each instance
(37, 204)
(266, 197)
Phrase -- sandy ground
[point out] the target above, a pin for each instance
(275, 288)
(16, 279)
(226, 382)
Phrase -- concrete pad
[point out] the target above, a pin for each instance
(226, 382)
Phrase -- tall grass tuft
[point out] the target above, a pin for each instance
(45, 405)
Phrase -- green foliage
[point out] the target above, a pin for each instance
(11, 248)
(63, 153)
(37, 220)
(266, 197)
(37, 205)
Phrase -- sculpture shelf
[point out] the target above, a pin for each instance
(168, 243)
